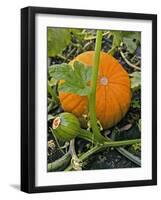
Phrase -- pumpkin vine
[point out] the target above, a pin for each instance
(92, 95)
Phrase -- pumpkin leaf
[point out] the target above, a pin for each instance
(76, 77)
(74, 89)
(60, 71)
(118, 37)
(132, 41)
(82, 70)
(58, 39)
(135, 80)
(129, 38)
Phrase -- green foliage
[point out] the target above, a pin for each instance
(117, 38)
(130, 39)
(76, 77)
(89, 35)
(58, 39)
(52, 94)
(77, 33)
(135, 103)
(52, 82)
(135, 80)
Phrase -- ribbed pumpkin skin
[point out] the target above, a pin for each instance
(113, 94)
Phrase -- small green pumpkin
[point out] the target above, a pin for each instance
(66, 126)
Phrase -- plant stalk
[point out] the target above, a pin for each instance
(101, 147)
(92, 96)
(129, 155)
(60, 163)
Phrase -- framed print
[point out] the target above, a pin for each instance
(88, 99)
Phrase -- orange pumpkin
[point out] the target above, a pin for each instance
(113, 93)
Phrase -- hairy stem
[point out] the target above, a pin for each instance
(92, 96)
(87, 135)
(60, 163)
(129, 155)
(101, 147)
(75, 162)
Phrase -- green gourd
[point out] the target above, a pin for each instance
(66, 126)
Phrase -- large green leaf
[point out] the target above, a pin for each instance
(75, 77)
(132, 41)
(58, 39)
(129, 38)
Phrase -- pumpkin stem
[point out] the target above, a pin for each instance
(100, 147)
(75, 162)
(92, 96)
(103, 80)
(56, 122)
